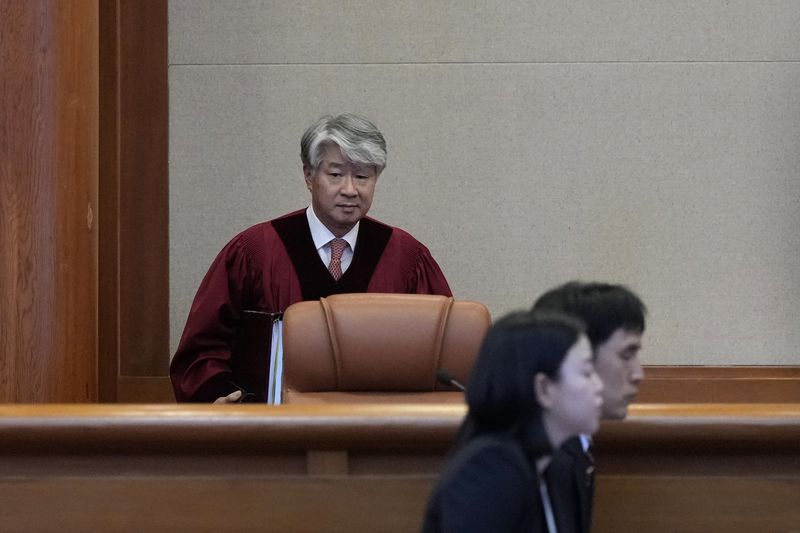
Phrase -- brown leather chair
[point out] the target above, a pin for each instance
(379, 347)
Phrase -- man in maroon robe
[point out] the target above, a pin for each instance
(274, 264)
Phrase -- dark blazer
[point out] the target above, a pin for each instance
(570, 477)
(489, 485)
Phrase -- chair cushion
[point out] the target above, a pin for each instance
(379, 342)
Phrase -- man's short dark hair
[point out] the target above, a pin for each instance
(603, 307)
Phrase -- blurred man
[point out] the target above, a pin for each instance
(615, 323)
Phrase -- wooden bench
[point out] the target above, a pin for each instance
(670, 468)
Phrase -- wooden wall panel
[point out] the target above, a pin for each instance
(134, 285)
(48, 196)
(108, 220)
(143, 188)
(144, 389)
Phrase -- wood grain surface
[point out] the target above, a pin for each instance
(668, 468)
(48, 195)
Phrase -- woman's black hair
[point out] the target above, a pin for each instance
(501, 394)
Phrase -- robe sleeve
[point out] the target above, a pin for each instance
(407, 266)
(201, 368)
(429, 278)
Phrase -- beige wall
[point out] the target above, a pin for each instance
(645, 142)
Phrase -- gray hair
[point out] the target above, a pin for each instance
(358, 138)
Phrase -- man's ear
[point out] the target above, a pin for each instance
(543, 390)
(308, 174)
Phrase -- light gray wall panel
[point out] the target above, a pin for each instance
(403, 31)
(679, 179)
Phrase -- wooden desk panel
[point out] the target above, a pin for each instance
(720, 384)
(370, 468)
(662, 384)
(697, 468)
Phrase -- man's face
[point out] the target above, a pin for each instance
(617, 363)
(341, 191)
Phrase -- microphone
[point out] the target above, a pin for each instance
(446, 378)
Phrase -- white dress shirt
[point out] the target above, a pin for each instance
(322, 238)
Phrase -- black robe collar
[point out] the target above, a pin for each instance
(315, 280)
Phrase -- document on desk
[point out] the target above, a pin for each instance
(275, 378)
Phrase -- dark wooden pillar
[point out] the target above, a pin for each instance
(133, 262)
(48, 200)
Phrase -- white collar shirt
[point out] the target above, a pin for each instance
(322, 238)
(586, 442)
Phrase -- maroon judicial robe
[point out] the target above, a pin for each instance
(267, 268)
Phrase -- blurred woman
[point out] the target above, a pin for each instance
(533, 386)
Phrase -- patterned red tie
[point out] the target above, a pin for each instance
(337, 249)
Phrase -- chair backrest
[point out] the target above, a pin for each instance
(379, 347)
